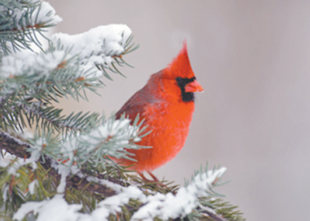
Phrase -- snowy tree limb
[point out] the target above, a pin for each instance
(163, 206)
(22, 21)
(117, 194)
(70, 66)
(21, 149)
(13, 145)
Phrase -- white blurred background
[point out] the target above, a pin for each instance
(253, 59)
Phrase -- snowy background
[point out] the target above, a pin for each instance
(252, 58)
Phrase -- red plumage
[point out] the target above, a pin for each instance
(166, 103)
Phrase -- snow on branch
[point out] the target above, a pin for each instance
(49, 210)
(93, 50)
(70, 66)
(179, 205)
(153, 205)
(31, 13)
(101, 41)
(111, 138)
(45, 14)
(21, 21)
(30, 63)
(113, 204)
(158, 205)
(99, 46)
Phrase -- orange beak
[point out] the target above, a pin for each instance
(193, 87)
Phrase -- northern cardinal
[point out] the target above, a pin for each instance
(166, 103)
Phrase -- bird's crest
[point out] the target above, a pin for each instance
(180, 66)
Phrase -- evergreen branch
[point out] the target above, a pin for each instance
(50, 118)
(46, 174)
(195, 201)
(44, 116)
(14, 146)
(102, 47)
(183, 202)
(94, 147)
(21, 21)
(29, 78)
(213, 207)
(22, 149)
(28, 93)
(220, 207)
(113, 138)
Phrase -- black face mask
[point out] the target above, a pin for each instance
(182, 82)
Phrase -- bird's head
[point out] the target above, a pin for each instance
(179, 76)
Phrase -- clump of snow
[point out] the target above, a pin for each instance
(114, 186)
(179, 205)
(110, 128)
(96, 46)
(111, 138)
(32, 186)
(112, 205)
(102, 40)
(34, 157)
(46, 14)
(50, 210)
(19, 162)
(6, 158)
(29, 63)
(5, 192)
(115, 132)
(64, 171)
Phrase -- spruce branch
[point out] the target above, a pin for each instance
(49, 118)
(102, 47)
(218, 205)
(93, 148)
(17, 147)
(30, 81)
(42, 171)
(22, 21)
(113, 192)
(29, 93)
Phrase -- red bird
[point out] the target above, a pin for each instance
(166, 103)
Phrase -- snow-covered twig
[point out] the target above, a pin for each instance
(50, 210)
(46, 14)
(179, 205)
(97, 47)
(43, 14)
(29, 62)
(111, 138)
(22, 22)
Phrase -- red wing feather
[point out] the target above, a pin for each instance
(137, 104)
